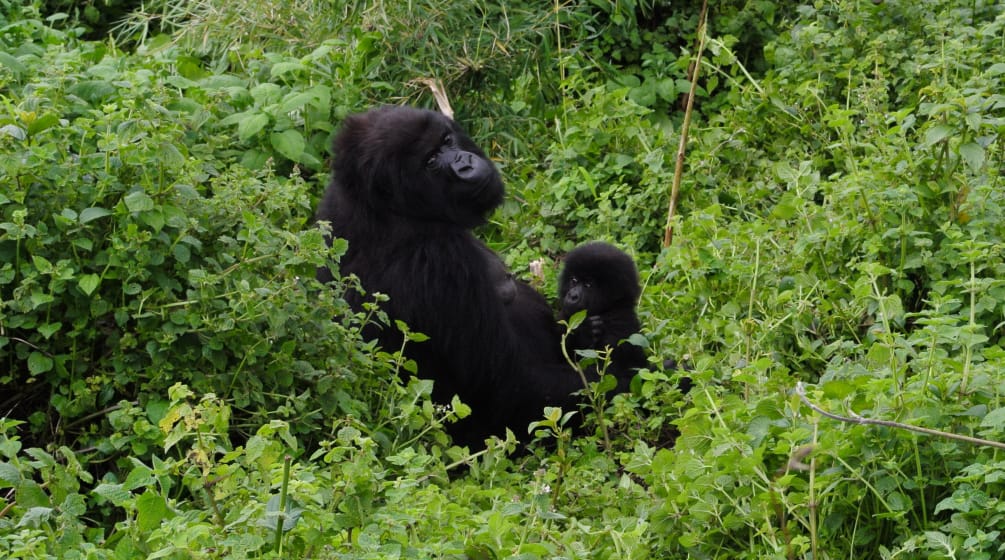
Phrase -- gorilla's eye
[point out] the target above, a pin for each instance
(431, 159)
(446, 142)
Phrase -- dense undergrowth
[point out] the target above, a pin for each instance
(174, 385)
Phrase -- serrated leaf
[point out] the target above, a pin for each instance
(44, 122)
(113, 493)
(9, 475)
(49, 329)
(39, 363)
(266, 93)
(280, 68)
(35, 517)
(14, 64)
(251, 126)
(995, 419)
(182, 253)
(460, 409)
(151, 510)
(138, 201)
(290, 143)
(94, 91)
(295, 101)
(272, 514)
(937, 134)
(973, 154)
(30, 494)
(42, 264)
(15, 132)
(73, 504)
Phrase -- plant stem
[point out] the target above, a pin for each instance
(595, 401)
(679, 166)
(856, 419)
(281, 518)
(813, 495)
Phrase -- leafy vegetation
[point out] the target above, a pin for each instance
(175, 386)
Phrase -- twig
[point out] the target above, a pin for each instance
(856, 419)
(679, 166)
(439, 93)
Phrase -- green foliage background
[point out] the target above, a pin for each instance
(174, 384)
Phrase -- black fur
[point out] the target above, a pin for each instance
(602, 279)
(407, 187)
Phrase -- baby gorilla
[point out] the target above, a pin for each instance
(602, 279)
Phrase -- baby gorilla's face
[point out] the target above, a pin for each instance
(597, 277)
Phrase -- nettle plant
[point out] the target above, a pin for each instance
(136, 253)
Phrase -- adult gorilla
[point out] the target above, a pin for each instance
(407, 187)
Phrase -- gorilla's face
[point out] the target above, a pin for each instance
(417, 163)
(597, 277)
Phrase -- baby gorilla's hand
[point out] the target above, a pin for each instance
(597, 330)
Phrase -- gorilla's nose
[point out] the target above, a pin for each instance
(468, 167)
(573, 297)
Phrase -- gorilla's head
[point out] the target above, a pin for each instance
(597, 277)
(416, 163)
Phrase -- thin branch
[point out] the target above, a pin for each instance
(678, 171)
(439, 93)
(856, 419)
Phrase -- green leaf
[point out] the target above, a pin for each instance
(88, 283)
(49, 329)
(153, 218)
(43, 122)
(973, 154)
(280, 68)
(577, 319)
(113, 493)
(14, 64)
(9, 474)
(39, 363)
(35, 517)
(182, 253)
(995, 419)
(938, 133)
(42, 264)
(296, 100)
(460, 409)
(290, 143)
(93, 91)
(30, 494)
(138, 201)
(74, 504)
(151, 510)
(92, 213)
(638, 339)
(251, 126)
(15, 132)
